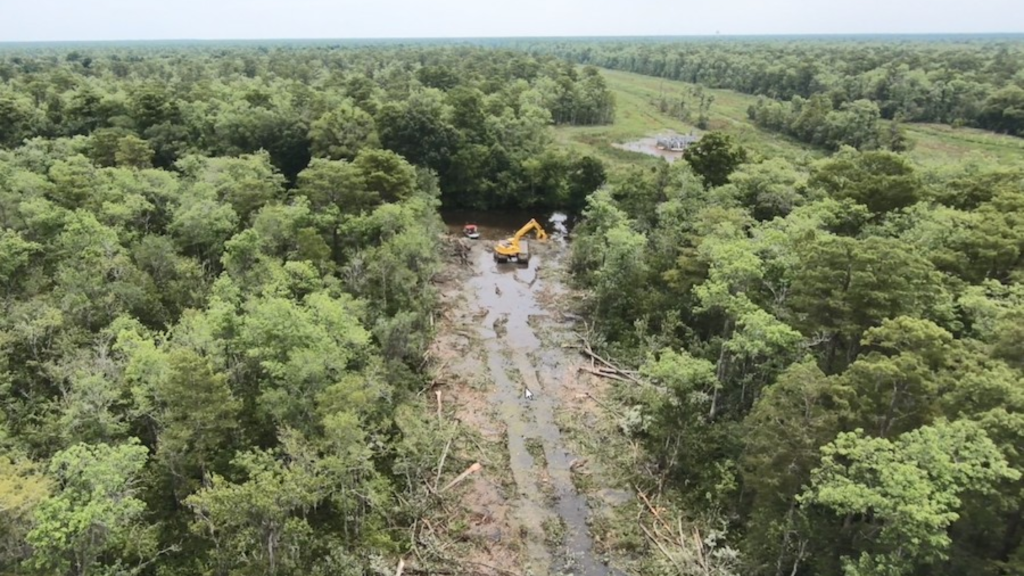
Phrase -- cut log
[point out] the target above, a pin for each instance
(474, 468)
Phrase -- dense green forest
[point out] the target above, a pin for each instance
(831, 93)
(477, 118)
(217, 272)
(833, 355)
(218, 268)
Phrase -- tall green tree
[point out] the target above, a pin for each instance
(899, 498)
(714, 158)
(341, 133)
(93, 524)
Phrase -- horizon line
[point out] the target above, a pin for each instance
(513, 37)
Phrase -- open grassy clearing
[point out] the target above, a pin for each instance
(638, 116)
(939, 144)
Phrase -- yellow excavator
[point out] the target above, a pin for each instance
(516, 248)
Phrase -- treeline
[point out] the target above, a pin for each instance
(856, 124)
(974, 83)
(478, 118)
(832, 357)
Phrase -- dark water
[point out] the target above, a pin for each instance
(496, 225)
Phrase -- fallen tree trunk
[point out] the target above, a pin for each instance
(604, 373)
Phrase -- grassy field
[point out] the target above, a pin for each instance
(938, 143)
(637, 116)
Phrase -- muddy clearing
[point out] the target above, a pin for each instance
(503, 333)
(649, 146)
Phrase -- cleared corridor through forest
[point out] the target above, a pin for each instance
(521, 338)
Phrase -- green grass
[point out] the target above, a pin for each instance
(637, 116)
(940, 144)
(555, 531)
(536, 450)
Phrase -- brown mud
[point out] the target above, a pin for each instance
(503, 333)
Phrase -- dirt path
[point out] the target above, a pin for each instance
(502, 335)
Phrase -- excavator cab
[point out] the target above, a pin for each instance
(516, 248)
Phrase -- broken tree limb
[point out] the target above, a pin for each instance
(604, 374)
(651, 508)
(700, 549)
(401, 567)
(474, 468)
(662, 548)
(603, 370)
(602, 404)
(438, 394)
(608, 367)
(590, 352)
(440, 465)
(430, 527)
(628, 375)
(483, 453)
(412, 541)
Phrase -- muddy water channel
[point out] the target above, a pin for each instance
(526, 364)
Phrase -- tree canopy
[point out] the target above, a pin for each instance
(829, 352)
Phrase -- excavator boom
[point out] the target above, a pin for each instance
(531, 225)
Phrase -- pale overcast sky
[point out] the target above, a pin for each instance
(27, 20)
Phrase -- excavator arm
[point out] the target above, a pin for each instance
(531, 225)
